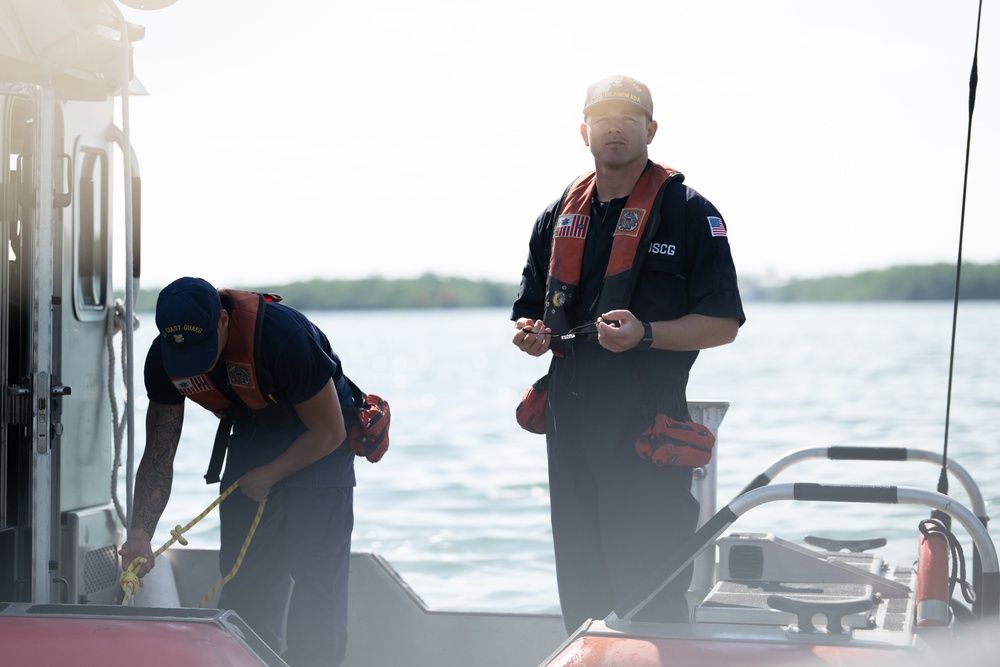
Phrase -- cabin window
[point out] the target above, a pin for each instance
(92, 238)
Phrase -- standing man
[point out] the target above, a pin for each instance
(638, 265)
(272, 376)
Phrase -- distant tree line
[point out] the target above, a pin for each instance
(901, 283)
(427, 291)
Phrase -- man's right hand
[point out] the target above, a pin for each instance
(535, 343)
(137, 547)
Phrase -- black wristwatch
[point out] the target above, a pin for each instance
(647, 337)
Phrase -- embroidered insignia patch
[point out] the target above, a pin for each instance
(717, 226)
(572, 226)
(629, 222)
(239, 374)
(178, 338)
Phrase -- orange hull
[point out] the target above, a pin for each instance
(603, 651)
(101, 635)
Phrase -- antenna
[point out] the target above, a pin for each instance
(973, 82)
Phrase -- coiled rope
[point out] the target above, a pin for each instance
(116, 323)
(129, 579)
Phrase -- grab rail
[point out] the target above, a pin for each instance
(842, 453)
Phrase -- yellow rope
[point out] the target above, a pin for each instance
(239, 559)
(129, 579)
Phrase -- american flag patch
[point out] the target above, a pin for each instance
(195, 385)
(572, 226)
(717, 226)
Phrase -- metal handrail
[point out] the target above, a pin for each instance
(843, 453)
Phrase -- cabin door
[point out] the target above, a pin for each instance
(27, 174)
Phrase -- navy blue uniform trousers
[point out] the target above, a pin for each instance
(292, 585)
(615, 516)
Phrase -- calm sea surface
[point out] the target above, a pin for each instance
(459, 505)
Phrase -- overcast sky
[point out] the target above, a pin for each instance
(306, 139)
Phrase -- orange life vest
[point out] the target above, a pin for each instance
(245, 321)
(636, 225)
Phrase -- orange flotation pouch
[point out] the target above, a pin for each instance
(530, 412)
(670, 442)
(368, 424)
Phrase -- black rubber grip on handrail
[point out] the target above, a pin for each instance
(845, 494)
(990, 595)
(842, 453)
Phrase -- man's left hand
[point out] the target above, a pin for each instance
(256, 484)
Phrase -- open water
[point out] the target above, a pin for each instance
(459, 504)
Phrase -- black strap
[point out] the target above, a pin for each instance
(358, 396)
(219, 450)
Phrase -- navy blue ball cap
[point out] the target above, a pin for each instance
(187, 315)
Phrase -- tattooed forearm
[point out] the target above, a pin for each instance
(155, 474)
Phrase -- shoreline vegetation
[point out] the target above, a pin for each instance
(934, 282)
